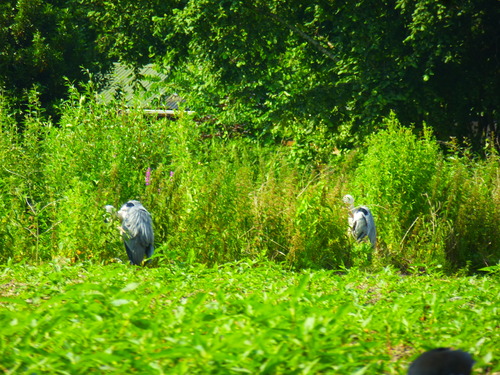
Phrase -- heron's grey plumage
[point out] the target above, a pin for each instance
(361, 221)
(442, 361)
(137, 231)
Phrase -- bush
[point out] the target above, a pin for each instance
(395, 178)
(430, 210)
(470, 199)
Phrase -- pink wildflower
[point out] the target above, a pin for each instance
(148, 177)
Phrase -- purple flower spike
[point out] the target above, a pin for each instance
(148, 177)
(171, 174)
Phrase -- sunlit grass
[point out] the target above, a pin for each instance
(245, 317)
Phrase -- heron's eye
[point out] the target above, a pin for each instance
(130, 204)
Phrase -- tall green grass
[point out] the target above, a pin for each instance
(432, 207)
(217, 199)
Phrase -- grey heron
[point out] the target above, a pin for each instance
(361, 221)
(136, 229)
(442, 361)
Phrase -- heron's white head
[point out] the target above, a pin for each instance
(348, 199)
(124, 210)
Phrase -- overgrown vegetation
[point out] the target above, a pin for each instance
(217, 198)
(245, 317)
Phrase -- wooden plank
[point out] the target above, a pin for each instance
(166, 112)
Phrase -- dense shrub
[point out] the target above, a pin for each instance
(471, 206)
(430, 209)
(395, 177)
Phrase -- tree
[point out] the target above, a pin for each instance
(41, 43)
(327, 62)
(269, 65)
(455, 57)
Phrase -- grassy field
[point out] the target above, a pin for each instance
(241, 317)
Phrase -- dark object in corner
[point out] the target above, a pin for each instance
(442, 361)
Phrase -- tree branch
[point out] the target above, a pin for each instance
(305, 36)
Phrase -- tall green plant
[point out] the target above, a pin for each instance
(394, 178)
(9, 149)
(28, 220)
(471, 203)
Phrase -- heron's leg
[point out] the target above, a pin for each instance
(130, 255)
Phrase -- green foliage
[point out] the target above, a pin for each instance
(429, 209)
(268, 64)
(41, 43)
(449, 56)
(264, 66)
(395, 175)
(471, 204)
(398, 167)
(249, 317)
(212, 200)
(216, 198)
(9, 150)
